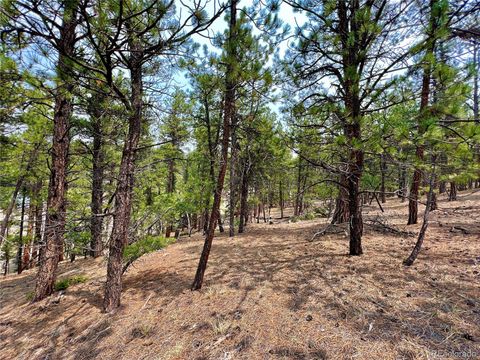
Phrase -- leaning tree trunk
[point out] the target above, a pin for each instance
(123, 196)
(228, 116)
(421, 235)
(57, 187)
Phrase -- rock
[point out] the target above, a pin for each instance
(309, 318)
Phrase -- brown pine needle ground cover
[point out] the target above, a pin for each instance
(270, 294)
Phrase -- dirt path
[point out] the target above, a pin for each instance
(269, 294)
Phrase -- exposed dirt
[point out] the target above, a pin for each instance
(270, 294)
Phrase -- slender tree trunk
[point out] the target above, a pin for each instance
(220, 223)
(98, 168)
(452, 196)
(297, 207)
(442, 187)
(30, 226)
(476, 116)
(233, 178)
(281, 201)
(57, 187)
(244, 198)
(421, 235)
(21, 244)
(123, 197)
(37, 242)
(228, 116)
(476, 55)
(383, 170)
(425, 94)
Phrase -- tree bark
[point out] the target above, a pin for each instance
(57, 187)
(341, 214)
(124, 192)
(353, 182)
(228, 116)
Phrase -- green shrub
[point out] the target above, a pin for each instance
(29, 296)
(144, 246)
(308, 216)
(64, 284)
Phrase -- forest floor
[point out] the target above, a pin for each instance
(270, 293)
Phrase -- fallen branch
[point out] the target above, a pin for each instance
(460, 229)
(378, 224)
(327, 230)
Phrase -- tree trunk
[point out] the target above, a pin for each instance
(402, 185)
(452, 196)
(228, 116)
(421, 235)
(220, 223)
(355, 170)
(442, 187)
(281, 201)
(244, 198)
(30, 226)
(425, 94)
(476, 54)
(57, 187)
(37, 242)
(124, 192)
(96, 222)
(297, 207)
(383, 170)
(20, 237)
(341, 213)
(233, 179)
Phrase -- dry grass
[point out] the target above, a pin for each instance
(270, 294)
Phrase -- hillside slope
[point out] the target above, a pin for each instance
(270, 294)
